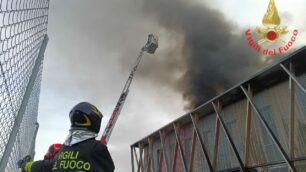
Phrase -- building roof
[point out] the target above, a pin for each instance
(269, 76)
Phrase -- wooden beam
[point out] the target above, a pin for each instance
(200, 139)
(150, 156)
(216, 145)
(227, 135)
(162, 142)
(192, 150)
(183, 158)
(292, 76)
(270, 132)
(148, 167)
(138, 163)
(248, 130)
(132, 158)
(174, 157)
(140, 158)
(160, 165)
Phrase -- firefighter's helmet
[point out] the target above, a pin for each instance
(86, 116)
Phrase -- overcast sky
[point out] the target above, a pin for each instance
(94, 43)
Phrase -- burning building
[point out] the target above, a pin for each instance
(258, 125)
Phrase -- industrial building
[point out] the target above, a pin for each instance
(258, 125)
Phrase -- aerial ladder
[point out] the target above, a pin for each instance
(149, 47)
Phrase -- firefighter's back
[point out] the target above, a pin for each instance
(87, 156)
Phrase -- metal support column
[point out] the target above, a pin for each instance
(216, 144)
(248, 130)
(191, 158)
(174, 157)
(270, 132)
(162, 142)
(176, 131)
(291, 115)
(160, 165)
(195, 125)
(137, 161)
(229, 137)
(140, 158)
(293, 78)
(132, 158)
(150, 163)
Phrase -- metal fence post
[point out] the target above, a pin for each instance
(32, 149)
(22, 109)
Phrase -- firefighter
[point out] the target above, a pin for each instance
(80, 151)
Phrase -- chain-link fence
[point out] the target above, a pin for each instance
(23, 28)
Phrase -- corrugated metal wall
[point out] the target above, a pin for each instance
(258, 151)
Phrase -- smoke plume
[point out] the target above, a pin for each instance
(211, 54)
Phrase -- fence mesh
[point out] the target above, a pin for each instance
(23, 26)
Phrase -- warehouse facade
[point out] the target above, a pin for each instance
(258, 125)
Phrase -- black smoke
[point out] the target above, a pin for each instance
(214, 54)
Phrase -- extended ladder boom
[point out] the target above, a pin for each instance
(150, 47)
(120, 103)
